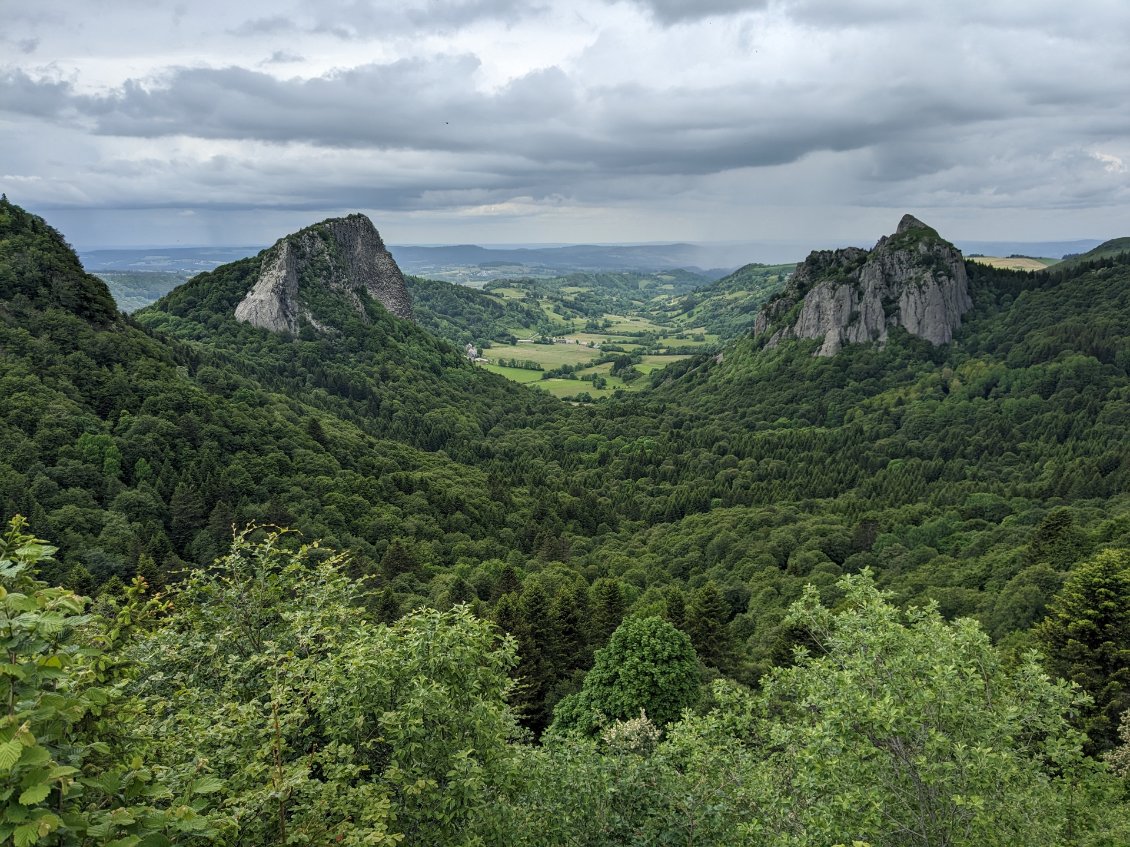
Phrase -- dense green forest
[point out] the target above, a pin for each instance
(466, 316)
(772, 599)
(728, 307)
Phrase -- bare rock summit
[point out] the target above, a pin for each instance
(914, 279)
(343, 255)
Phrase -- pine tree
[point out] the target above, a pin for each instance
(1086, 637)
(537, 655)
(397, 560)
(567, 622)
(676, 608)
(386, 607)
(508, 583)
(608, 607)
(186, 514)
(706, 619)
(1058, 541)
(458, 591)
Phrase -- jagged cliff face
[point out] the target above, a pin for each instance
(913, 279)
(345, 255)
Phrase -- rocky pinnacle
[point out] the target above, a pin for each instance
(345, 255)
(913, 279)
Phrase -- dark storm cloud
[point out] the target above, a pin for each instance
(282, 57)
(542, 117)
(42, 98)
(357, 20)
(271, 25)
(676, 11)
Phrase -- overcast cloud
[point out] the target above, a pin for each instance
(131, 122)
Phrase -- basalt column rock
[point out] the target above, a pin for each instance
(913, 279)
(344, 255)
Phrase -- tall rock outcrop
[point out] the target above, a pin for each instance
(345, 255)
(914, 279)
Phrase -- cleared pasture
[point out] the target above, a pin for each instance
(1015, 263)
(547, 355)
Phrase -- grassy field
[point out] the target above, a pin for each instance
(623, 328)
(547, 355)
(1015, 263)
(654, 363)
(553, 355)
(509, 293)
(513, 374)
(688, 341)
(628, 323)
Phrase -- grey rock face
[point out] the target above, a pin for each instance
(345, 255)
(913, 279)
(273, 301)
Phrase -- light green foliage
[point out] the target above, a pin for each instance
(899, 729)
(321, 726)
(1119, 757)
(64, 777)
(648, 665)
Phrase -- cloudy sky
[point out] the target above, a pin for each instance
(146, 122)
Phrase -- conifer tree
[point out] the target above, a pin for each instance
(608, 607)
(676, 608)
(570, 647)
(508, 582)
(397, 560)
(386, 608)
(706, 618)
(458, 591)
(537, 652)
(1086, 637)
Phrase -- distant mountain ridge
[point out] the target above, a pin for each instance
(1106, 250)
(444, 262)
(1049, 249)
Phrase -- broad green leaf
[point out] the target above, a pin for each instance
(35, 794)
(20, 603)
(35, 755)
(25, 835)
(207, 785)
(36, 551)
(10, 754)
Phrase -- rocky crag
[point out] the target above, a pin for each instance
(345, 255)
(914, 279)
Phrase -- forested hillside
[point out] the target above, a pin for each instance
(651, 552)
(727, 308)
